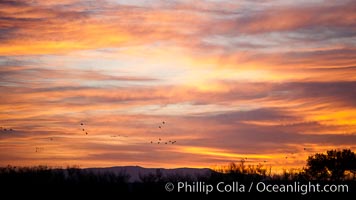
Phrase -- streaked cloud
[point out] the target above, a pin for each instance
(261, 80)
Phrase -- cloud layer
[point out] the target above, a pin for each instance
(262, 80)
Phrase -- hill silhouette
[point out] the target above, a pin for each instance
(137, 173)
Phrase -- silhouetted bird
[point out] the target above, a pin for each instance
(159, 127)
(81, 124)
(163, 122)
(86, 133)
(151, 142)
(159, 138)
(305, 149)
(5, 129)
(10, 129)
(83, 129)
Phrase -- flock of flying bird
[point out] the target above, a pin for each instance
(305, 149)
(6, 129)
(158, 141)
(85, 131)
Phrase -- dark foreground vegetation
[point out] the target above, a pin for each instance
(333, 168)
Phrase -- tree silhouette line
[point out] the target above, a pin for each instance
(332, 166)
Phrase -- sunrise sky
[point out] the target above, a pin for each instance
(272, 81)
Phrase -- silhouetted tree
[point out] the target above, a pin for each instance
(332, 165)
(151, 177)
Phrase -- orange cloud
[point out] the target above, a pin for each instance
(229, 80)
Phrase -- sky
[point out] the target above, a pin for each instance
(109, 83)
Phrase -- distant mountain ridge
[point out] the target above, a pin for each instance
(136, 171)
